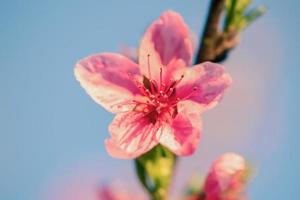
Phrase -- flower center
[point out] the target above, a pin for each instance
(160, 103)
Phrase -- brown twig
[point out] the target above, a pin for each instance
(206, 50)
(215, 44)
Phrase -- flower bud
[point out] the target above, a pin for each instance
(226, 179)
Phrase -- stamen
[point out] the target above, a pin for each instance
(190, 94)
(148, 92)
(162, 87)
(170, 91)
(173, 85)
(153, 86)
(139, 85)
(178, 81)
(149, 71)
(160, 78)
(161, 101)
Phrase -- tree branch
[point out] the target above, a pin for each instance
(210, 36)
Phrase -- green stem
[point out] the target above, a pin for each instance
(154, 170)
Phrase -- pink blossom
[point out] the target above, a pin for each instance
(226, 178)
(111, 192)
(160, 99)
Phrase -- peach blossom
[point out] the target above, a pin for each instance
(160, 99)
(111, 192)
(226, 178)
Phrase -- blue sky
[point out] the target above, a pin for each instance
(49, 126)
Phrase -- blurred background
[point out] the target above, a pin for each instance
(52, 133)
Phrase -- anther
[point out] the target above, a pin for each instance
(178, 81)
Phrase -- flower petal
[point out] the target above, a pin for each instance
(131, 135)
(182, 136)
(204, 83)
(167, 43)
(105, 78)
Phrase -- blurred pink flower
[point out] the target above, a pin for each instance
(159, 100)
(110, 192)
(226, 178)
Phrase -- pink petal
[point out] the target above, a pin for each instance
(105, 78)
(168, 44)
(131, 135)
(204, 83)
(182, 137)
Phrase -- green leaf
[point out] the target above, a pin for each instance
(230, 12)
(242, 5)
(253, 14)
(237, 18)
